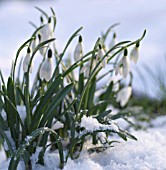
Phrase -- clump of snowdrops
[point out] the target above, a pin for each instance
(64, 107)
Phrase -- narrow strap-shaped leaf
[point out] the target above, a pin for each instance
(43, 12)
(43, 102)
(20, 151)
(49, 113)
(2, 133)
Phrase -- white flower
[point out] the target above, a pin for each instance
(27, 61)
(134, 55)
(123, 66)
(78, 52)
(113, 41)
(46, 32)
(46, 69)
(124, 95)
(100, 55)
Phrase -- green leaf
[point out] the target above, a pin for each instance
(21, 150)
(49, 113)
(44, 102)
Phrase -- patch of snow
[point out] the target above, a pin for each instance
(91, 124)
(148, 153)
(22, 112)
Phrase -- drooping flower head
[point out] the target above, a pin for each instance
(134, 55)
(123, 95)
(123, 66)
(78, 52)
(46, 33)
(26, 61)
(46, 69)
(100, 55)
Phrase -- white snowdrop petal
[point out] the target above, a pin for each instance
(42, 71)
(126, 66)
(48, 70)
(134, 55)
(78, 52)
(46, 32)
(26, 63)
(124, 95)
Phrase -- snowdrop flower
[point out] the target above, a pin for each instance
(46, 69)
(27, 61)
(46, 32)
(78, 52)
(124, 95)
(123, 66)
(113, 41)
(134, 55)
(100, 55)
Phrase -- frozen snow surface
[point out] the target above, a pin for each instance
(148, 153)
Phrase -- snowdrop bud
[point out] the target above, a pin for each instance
(123, 95)
(78, 52)
(134, 55)
(27, 61)
(113, 41)
(46, 69)
(126, 64)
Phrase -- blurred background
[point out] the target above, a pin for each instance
(95, 16)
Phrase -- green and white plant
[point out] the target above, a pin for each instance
(60, 109)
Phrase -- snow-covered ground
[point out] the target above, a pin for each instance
(148, 153)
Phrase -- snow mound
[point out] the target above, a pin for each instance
(148, 153)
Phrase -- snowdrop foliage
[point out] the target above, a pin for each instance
(78, 52)
(26, 61)
(46, 69)
(124, 95)
(63, 108)
(134, 55)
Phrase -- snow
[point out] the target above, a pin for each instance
(148, 153)
(91, 124)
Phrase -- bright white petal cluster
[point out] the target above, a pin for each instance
(46, 69)
(134, 54)
(27, 61)
(123, 66)
(123, 95)
(78, 52)
(100, 55)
